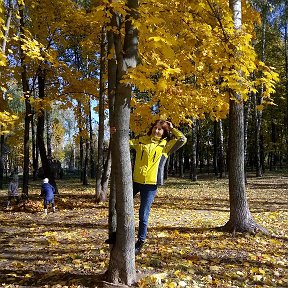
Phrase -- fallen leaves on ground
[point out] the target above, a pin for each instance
(66, 248)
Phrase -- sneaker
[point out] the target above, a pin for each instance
(138, 246)
(45, 211)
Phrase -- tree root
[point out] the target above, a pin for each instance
(250, 227)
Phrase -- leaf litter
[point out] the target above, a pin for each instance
(66, 248)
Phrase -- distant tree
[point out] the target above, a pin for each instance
(28, 111)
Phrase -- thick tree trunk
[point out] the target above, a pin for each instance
(240, 217)
(122, 256)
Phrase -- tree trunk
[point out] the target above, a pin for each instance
(286, 81)
(193, 164)
(26, 92)
(181, 163)
(81, 141)
(1, 161)
(221, 157)
(246, 122)
(259, 97)
(273, 156)
(92, 155)
(122, 258)
(215, 148)
(240, 217)
(100, 193)
(112, 68)
(3, 48)
(48, 134)
(46, 164)
(85, 162)
(35, 151)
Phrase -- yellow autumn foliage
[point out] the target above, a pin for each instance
(190, 56)
(189, 61)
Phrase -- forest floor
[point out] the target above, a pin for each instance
(66, 248)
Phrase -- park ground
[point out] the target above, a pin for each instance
(66, 248)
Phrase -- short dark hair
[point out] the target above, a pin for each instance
(166, 133)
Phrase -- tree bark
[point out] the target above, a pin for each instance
(246, 125)
(92, 155)
(122, 257)
(241, 219)
(48, 134)
(26, 92)
(193, 164)
(101, 195)
(35, 151)
(221, 157)
(286, 80)
(86, 159)
(81, 141)
(46, 164)
(112, 68)
(3, 48)
(215, 148)
(181, 163)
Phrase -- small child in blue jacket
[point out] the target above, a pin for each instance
(47, 192)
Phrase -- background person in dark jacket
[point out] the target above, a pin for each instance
(13, 190)
(47, 192)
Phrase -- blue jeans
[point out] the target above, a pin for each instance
(147, 195)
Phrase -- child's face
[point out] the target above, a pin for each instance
(157, 130)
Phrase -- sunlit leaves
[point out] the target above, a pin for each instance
(191, 49)
(7, 121)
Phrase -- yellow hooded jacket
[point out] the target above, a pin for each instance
(151, 155)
